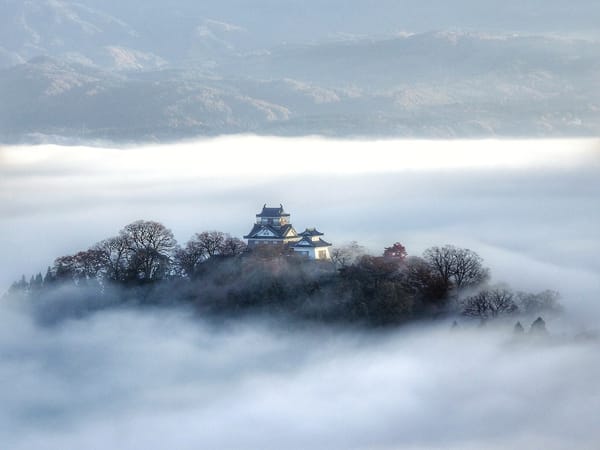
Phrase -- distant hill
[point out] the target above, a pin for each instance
(119, 71)
(182, 29)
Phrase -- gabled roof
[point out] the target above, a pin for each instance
(272, 212)
(285, 229)
(311, 232)
(307, 242)
(274, 232)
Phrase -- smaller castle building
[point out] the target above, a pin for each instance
(273, 226)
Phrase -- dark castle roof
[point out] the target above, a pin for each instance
(278, 232)
(311, 232)
(272, 212)
(307, 242)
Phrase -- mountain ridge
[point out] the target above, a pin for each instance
(109, 76)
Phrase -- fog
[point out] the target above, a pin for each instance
(165, 378)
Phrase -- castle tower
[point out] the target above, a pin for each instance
(312, 245)
(272, 226)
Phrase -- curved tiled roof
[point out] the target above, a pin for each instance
(278, 232)
(272, 212)
(311, 232)
(307, 242)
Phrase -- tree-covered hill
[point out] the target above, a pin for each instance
(221, 277)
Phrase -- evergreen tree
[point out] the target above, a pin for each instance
(519, 330)
(48, 278)
(538, 327)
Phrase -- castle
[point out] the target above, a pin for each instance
(273, 227)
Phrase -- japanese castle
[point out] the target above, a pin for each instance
(273, 227)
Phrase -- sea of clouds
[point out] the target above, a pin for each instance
(132, 379)
(165, 378)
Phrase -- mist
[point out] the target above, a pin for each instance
(132, 379)
(469, 127)
(163, 377)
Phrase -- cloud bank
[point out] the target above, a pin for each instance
(165, 379)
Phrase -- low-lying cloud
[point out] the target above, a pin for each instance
(132, 379)
(164, 378)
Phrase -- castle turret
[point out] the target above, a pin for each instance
(272, 226)
(276, 217)
(312, 245)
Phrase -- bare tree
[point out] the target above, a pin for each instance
(188, 258)
(421, 279)
(541, 302)
(115, 253)
(81, 267)
(151, 246)
(347, 255)
(490, 303)
(456, 267)
(233, 246)
(467, 268)
(65, 268)
(204, 246)
(441, 261)
(90, 264)
(211, 242)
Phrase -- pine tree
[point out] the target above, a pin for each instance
(519, 328)
(538, 327)
(49, 277)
